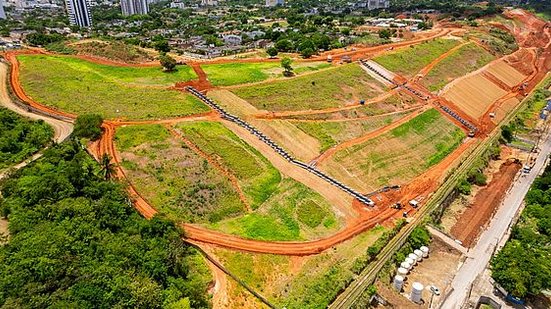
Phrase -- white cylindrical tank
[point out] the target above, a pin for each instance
(416, 292)
(398, 282)
(402, 271)
(419, 254)
(410, 261)
(414, 257)
(425, 251)
(405, 265)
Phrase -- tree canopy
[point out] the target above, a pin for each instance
(76, 242)
(88, 126)
(20, 137)
(523, 266)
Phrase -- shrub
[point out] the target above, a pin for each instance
(464, 187)
(88, 126)
(167, 62)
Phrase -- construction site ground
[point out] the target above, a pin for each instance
(484, 204)
(293, 281)
(456, 209)
(437, 269)
(326, 254)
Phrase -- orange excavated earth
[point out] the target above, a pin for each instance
(485, 203)
(420, 188)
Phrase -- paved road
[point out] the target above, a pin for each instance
(480, 255)
(62, 129)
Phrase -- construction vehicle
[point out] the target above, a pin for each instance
(397, 206)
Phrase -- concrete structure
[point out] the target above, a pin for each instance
(425, 251)
(398, 282)
(79, 12)
(413, 257)
(402, 271)
(209, 2)
(419, 254)
(416, 292)
(272, 3)
(133, 7)
(372, 4)
(2, 13)
(378, 4)
(177, 5)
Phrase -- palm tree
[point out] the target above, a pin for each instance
(107, 168)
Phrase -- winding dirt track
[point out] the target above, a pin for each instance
(62, 129)
(284, 114)
(420, 188)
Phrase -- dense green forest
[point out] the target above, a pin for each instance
(76, 242)
(523, 266)
(20, 137)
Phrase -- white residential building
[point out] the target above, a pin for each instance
(133, 7)
(79, 12)
(209, 2)
(2, 13)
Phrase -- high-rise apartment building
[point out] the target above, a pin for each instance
(2, 13)
(79, 12)
(132, 7)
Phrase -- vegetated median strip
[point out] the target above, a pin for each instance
(353, 292)
(278, 149)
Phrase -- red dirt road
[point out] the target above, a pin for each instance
(420, 188)
(105, 145)
(486, 202)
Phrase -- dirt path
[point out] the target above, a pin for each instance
(373, 134)
(219, 289)
(426, 70)
(105, 145)
(20, 93)
(284, 114)
(62, 129)
(202, 82)
(234, 181)
(485, 203)
(373, 117)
